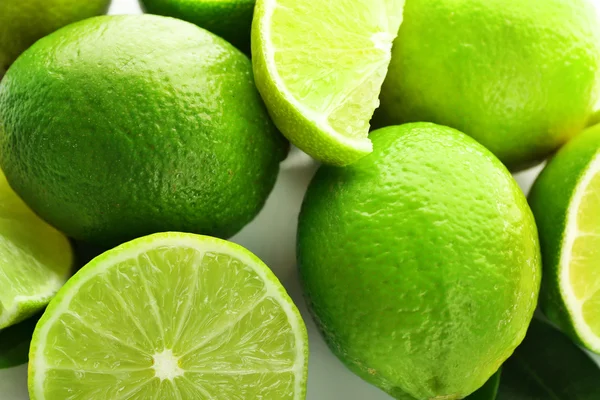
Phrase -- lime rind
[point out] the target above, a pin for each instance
(61, 304)
(23, 307)
(573, 303)
(311, 130)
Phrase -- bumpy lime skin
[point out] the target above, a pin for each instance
(121, 126)
(22, 22)
(230, 19)
(519, 76)
(550, 198)
(420, 262)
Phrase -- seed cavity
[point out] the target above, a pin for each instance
(166, 365)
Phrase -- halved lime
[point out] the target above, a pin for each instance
(35, 259)
(171, 316)
(319, 66)
(566, 203)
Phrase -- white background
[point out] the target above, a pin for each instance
(272, 237)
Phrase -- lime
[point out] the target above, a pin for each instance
(35, 259)
(22, 22)
(420, 262)
(319, 67)
(121, 126)
(230, 19)
(519, 76)
(171, 316)
(566, 202)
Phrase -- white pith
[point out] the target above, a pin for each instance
(383, 41)
(319, 119)
(166, 366)
(572, 233)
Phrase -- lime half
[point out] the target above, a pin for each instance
(566, 203)
(171, 316)
(35, 259)
(320, 65)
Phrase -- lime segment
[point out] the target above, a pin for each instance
(320, 66)
(35, 259)
(171, 316)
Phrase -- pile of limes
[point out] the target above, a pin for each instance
(155, 140)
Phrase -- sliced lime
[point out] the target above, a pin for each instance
(566, 202)
(35, 259)
(319, 66)
(171, 316)
(581, 254)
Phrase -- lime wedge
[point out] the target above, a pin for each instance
(319, 66)
(566, 203)
(171, 316)
(35, 259)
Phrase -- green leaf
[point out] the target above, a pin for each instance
(14, 343)
(85, 252)
(548, 366)
(488, 391)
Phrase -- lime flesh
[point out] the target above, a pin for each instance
(566, 202)
(171, 316)
(35, 259)
(319, 67)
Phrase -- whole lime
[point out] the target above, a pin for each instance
(22, 22)
(519, 76)
(116, 127)
(230, 19)
(420, 262)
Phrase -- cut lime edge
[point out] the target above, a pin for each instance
(61, 302)
(361, 144)
(35, 302)
(574, 305)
